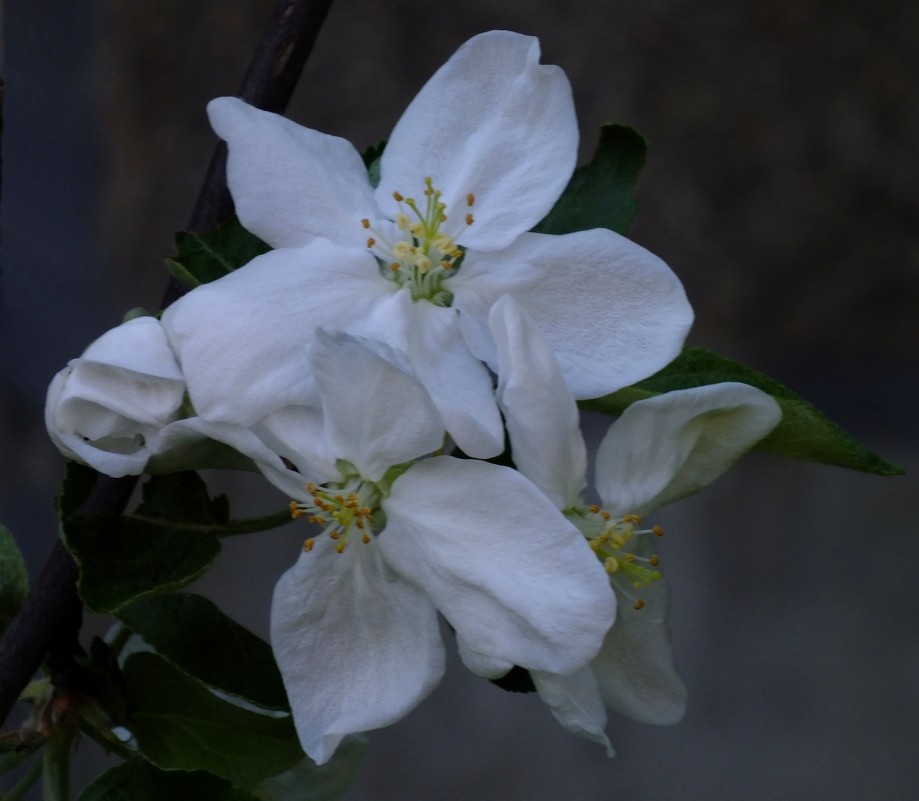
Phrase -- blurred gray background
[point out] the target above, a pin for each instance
(782, 188)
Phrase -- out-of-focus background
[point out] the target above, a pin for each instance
(781, 186)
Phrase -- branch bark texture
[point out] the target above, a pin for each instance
(50, 619)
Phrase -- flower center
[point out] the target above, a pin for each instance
(618, 543)
(418, 253)
(345, 509)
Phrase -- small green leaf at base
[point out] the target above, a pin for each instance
(181, 725)
(138, 780)
(602, 193)
(205, 257)
(803, 433)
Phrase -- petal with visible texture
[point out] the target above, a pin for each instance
(357, 647)
(515, 579)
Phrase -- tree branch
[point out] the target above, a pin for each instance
(50, 619)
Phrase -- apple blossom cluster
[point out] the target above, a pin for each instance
(397, 335)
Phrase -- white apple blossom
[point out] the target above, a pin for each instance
(109, 407)
(353, 622)
(658, 451)
(476, 161)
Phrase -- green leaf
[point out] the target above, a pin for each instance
(180, 725)
(124, 558)
(196, 637)
(79, 481)
(204, 257)
(804, 432)
(138, 780)
(308, 781)
(602, 193)
(182, 497)
(14, 578)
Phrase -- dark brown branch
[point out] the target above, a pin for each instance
(48, 623)
(269, 83)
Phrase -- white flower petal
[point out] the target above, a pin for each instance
(576, 703)
(357, 647)
(375, 415)
(515, 579)
(670, 446)
(291, 184)
(459, 384)
(493, 122)
(613, 312)
(243, 340)
(106, 407)
(485, 665)
(634, 669)
(542, 417)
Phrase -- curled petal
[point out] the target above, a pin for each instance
(634, 669)
(542, 417)
(515, 579)
(671, 446)
(107, 407)
(613, 312)
(291, 184)
(492, 122)
(576, 703)
(357, 647)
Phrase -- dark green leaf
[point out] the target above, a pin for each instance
(124, 558)
(308, 781)
(180, 725)
(602, 193)
(138, 780)
(804, 432)
(182, 498)
(195, 636)
(78, 483)
(14, 579)
(206, 257)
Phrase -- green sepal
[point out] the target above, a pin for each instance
(14, 578)
(180, 725)
(205, 257)
(138, 780)
(192, 634)
(371, 157)
(601, 194)
(124, 558)
(803, 433)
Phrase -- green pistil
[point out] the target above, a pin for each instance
(425, 257)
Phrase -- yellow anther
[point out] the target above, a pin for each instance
(308, 544)
(611, 564)
(605, 515)
(340, 548)
(593, 508)
(633, 519)
(657, 531)
(334, 535)
(395, 266)
(371, 242)
(654, 561)
(398, 197)
(311, 488)
(365, 222)
(638, 604)
(365, 539)
(470, 199)
(295, 510)
(447, 265)
(469, 219)
(402, 250)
